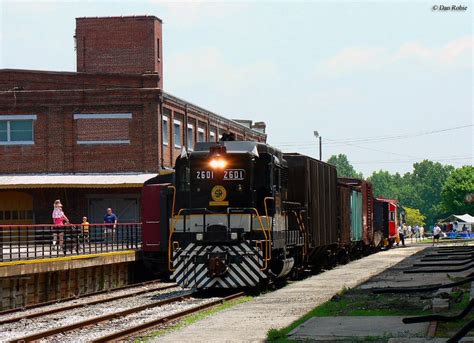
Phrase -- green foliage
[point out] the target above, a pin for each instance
(428, 179)
(457, 186)
(420, 189)
(414, 217)
(383, 184)
(344, 168)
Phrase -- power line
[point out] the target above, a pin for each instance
(338, 142)
(411, 161)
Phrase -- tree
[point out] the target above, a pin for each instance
(344, 168)
(383, 184)
(457, 186)
(427, 179)
(414, 217)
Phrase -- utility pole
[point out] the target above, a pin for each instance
(316, 135)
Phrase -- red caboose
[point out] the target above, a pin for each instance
(385, 218)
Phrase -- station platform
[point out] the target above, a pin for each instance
(42, 263)
(52, 264)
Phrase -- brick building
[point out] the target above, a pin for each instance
(92, 137)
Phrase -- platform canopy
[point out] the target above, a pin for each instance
(23, 181)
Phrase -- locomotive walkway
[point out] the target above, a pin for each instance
(250, 322)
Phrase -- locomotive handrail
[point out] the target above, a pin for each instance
(266, 209)
(174, 198)
(302, 228)
(173, 223)
(268, 250)
(268, 219)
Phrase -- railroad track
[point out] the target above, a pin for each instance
(52, 302)
(84, 304)
(131, 330)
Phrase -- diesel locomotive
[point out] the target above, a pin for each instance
(242, 214)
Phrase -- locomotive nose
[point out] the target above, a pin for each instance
(216, 266)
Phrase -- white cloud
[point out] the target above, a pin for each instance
(187, 14)
(209, 68)
(456, 54)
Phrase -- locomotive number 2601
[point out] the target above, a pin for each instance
(229, 174)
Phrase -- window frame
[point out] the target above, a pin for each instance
(163, 120)
(15, 118)
(203, 133)
(179, 124)
(190, 146)
(212, 136)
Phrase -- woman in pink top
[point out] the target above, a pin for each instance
(59, 218)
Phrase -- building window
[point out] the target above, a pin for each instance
(190, 136)
(212, 136)
(158, 50)
(165, 130)
(177, 133)
(200, 137)
(16, 129)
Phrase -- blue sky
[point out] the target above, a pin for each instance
(378, 80)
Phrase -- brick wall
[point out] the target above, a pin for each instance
(102, 130)
(56, 132)
(119, 45)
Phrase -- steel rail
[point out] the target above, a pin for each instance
(458, 263)
(51, 302)
(462, 332)
(93, 321)
(457, 254)
(446, 270)
(89, 303)
(428, 288)
(440, 318)
(145, 326)
(442, 259)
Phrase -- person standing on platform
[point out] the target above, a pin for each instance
(110, 219)
(401, 234)
(59, 219)
(85, 229)
(436, 234)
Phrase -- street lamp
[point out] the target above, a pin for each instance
(316, 135)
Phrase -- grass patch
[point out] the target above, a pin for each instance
(447, 329)
(186, 321)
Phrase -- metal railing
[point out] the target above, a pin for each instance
(26, 242)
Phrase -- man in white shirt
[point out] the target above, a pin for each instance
(436, 234)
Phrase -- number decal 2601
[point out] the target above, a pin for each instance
(204, 174)
(234, 174)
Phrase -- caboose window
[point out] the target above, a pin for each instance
(392, 216)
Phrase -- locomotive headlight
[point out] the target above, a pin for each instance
(199, 237)
(218, 163)
(233, 235)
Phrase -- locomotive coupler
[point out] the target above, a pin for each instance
(216, 266)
